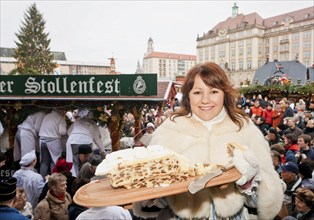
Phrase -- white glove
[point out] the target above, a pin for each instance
(247, 164)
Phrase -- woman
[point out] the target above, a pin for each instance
(207, 121)
(55, 204)
(304, 205)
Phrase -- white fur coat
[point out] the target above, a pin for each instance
(190, 138)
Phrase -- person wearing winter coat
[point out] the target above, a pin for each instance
(207, 121)
(28, 178)
(55, 205)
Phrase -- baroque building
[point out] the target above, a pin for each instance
(243, 43)
(166, 65)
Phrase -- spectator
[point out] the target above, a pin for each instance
(290, 175)
(304, 205)
(146, 138)
(75, 209)
(260, 123)
(88, 169)
(277, 116)
(28, 178)
(273, 137)
(21, 204)
(55, 205)
(292, 127)
(268, 114)
(64, 168)
(276, 157)
(306, 170)
(7, 196)
(299, 121)
(256, 109)
(281, 129)
(309, 129)
(84, 152)
(291, 142)
(304, 142)
(288, 111)
(52, 129)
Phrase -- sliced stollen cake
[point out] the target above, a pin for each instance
(147, 167)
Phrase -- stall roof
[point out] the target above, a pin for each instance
(164, 88)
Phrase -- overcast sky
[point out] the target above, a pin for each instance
(93, 31)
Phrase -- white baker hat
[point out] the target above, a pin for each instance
(28, 158)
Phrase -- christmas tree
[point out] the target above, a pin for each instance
(32, 52)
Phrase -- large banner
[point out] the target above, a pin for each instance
(78, 85)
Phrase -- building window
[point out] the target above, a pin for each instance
(267, 41)
(221, 53)
(275, 48)
(306, 44)
(241, 51)
(307, 34)
(295, 36)
(212, 53)
(233, 65)
(233, 52)
(267, 50)
(249, 64)
(240, 64)
(248, 50)
(295, 45)
(306, 54)
(249, 42)
(284, 56)
(275, 40)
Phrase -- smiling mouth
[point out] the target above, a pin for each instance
(206, 108)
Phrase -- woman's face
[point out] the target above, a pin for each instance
(60, 188)
(300, 205)
(206, 102)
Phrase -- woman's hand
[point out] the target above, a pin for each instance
(247, 164)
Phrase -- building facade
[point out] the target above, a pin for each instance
(64, 67)
(166, 65)
(243, 43)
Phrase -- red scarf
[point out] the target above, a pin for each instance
(60, 197)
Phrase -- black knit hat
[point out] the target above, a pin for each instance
(7, 189)
(85, 149)
(306, 170)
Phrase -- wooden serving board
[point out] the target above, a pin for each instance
(100, 193)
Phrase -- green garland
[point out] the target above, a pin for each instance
(284, 90)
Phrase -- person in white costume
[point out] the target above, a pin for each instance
(26, 137)
(84, 131)
(52, 129)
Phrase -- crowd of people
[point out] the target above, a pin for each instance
(56, 158)
(52, 159)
